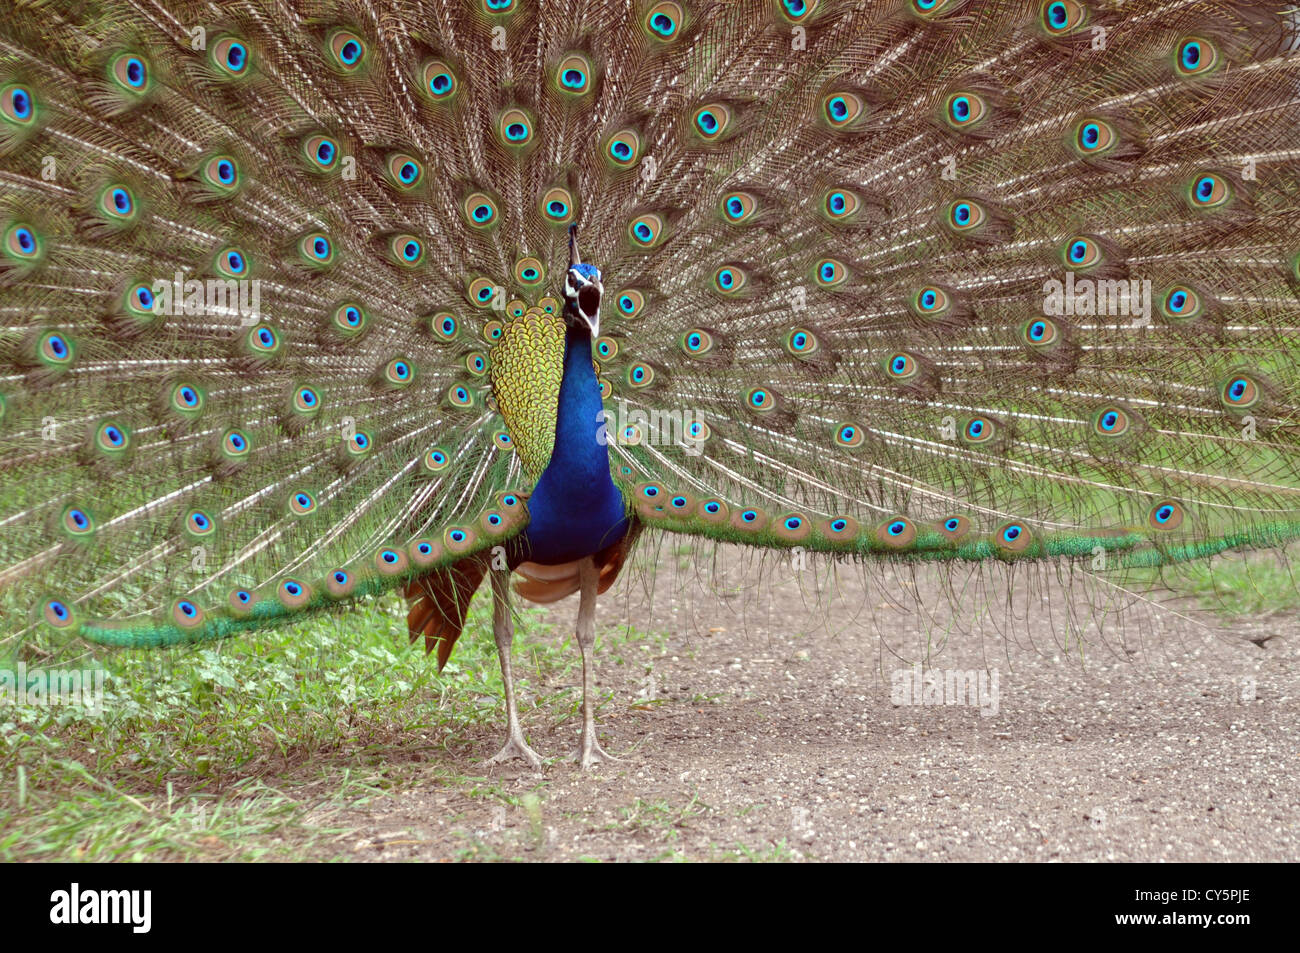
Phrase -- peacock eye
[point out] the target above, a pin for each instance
(965, 214)
(830, 272)
(926, 9)
(22, 242)
(348, 50)
(480, 210)
(738, 207)
(955, 527)
(1081, 252)
(1111, 422)
(979, 430)
(316, 248)
(1195, 56)
(130, 71)
(263, 341)
(1209, 191)
(399, 372)
(802, 343)
(1181, 303)
(841, 204)
(406, 251)
(439, 80)
(624, 148)
(232, 263)
(1040, 332)
(730, 279)
(1240, 391)
(557, 206)
(322, 152)
(630, 302)
(404, 170)
(664, 20)
(849, 435)
(514, 128)
(573, 75)
(712, 121)
(231, 56)
(646, 230)
(842, 109)
(796, 11)
(141, 299)
(17, 104)
(186, 399)
(930, 300)
(221, 173)
(118, 203)
(697, 342)
(965, 110)
(1060, 17)
(1094, 137)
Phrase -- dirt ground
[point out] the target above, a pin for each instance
(771, 724)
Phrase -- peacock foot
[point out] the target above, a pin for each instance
(590, 754)
(516, 748)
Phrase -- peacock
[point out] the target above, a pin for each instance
(305, 301)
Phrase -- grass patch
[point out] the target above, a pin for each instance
(1238, 584)
(242, 750)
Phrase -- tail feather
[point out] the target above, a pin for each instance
(439, 602)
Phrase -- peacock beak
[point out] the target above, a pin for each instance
(589, 305)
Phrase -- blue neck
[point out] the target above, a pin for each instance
(578, 454)
(575, 509)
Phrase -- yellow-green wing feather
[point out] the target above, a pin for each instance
(527, 364)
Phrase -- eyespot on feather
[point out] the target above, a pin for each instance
(347, 50)
(1012, 537)
(514, 128)
(573, 76)
(1166, 516)
(792, 527)
(750, 520)
(623, 148)
(557, 206)
(646, 231)
(187, 614)
(404, 171)
(738, 207)
(529, 271)
(459, 539)
(1062, 17)
(955, 527)
(664, 20)
(896, 533)
(339, 583)
(438, 81)
(424, 552)
(231, 56)
(293, 594)
(390, 561)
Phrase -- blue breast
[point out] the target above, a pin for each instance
(575, 509)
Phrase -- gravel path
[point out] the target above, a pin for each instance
(768, 726)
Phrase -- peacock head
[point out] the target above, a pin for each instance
(582, 290)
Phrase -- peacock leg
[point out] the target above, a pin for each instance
(590, 752)
(503, 629)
